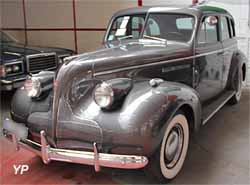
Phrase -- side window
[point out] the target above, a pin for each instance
(137, 26)
(153, 28)
(127, 27)
(224, 28)
(232, 27)
(209, 30)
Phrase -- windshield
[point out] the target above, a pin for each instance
(176, 27)
(127, 27)
(5, 38)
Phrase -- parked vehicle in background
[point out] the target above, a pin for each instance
(18, 60)
(161, 74)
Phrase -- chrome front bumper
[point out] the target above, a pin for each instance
(96, 159)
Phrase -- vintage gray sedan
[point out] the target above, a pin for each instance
(161, 74)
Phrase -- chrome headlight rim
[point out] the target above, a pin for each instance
(106, 91)
(33, 87)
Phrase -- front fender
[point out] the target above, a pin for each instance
(22, 105)
(134, 128)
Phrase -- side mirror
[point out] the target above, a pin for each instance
(211, 20)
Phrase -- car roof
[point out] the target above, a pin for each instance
(193, 10)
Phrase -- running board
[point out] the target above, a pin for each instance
(210, 110)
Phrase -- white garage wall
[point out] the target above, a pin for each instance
(96, 14)
(51, 23)
(12, 17)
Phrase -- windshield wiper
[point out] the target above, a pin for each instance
(154, 38)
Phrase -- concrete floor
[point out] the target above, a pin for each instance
(218, 154)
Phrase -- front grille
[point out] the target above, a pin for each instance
(39, 62)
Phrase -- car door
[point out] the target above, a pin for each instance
(209, 59)
(229, 44)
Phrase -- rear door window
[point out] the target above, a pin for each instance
(225, 34)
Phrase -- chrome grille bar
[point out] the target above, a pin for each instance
(41, 61)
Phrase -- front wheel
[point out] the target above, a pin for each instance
(167, 162)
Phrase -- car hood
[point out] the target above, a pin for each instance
(119, 55)
(22, 49)
(132, 53)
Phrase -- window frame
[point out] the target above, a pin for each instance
(109, 30)
(232, 26)
(175, 13)
(199, 30)
(228, 28)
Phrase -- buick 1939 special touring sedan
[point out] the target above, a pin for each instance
(161, 74)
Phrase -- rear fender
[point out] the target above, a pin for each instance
(239, 61)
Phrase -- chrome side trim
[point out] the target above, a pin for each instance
(217, 109)
(96, 159)
(162, 62)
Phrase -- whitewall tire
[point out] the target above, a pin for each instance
(167, 161)
(174, 146)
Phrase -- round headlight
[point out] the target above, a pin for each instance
(15, 68)
(104, 95)
(33, 87)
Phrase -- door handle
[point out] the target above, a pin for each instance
(196, 77)
(220, 53)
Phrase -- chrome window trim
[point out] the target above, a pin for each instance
(162, 62)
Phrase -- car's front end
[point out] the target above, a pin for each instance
(47, 123)
(12, 71)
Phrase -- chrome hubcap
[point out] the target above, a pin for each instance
(173, 146)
